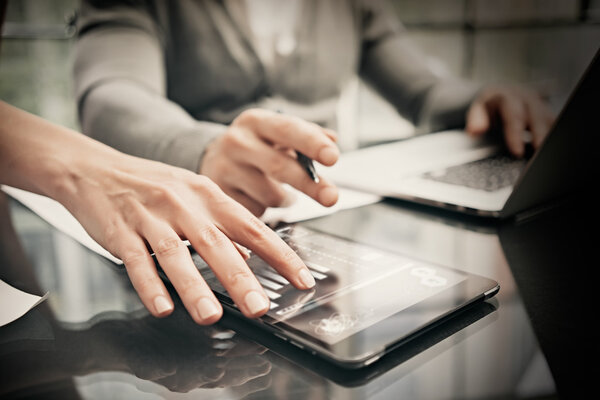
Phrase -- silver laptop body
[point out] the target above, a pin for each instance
(429, 169)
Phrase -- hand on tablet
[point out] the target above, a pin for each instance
(257, 153)
(155, 205)
(516, 110)
(133, 207)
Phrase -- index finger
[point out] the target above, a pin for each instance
(293, 132)
(174, 258)
(512, 112)
(243, 227)
(229, 268)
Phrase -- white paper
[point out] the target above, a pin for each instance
(303, 207)
(14, 303)
(58, 216)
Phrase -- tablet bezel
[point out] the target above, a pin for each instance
(472, 289)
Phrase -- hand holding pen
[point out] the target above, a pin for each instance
(261, 150)
(308, 166)
(306, 163)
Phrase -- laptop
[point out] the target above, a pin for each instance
(477, 176)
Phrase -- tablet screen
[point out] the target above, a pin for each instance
(357, 286)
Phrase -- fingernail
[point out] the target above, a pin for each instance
(328, 155)
(328, 196)
(206, 308)
(162, 305)
(256, 302)
(306, 278)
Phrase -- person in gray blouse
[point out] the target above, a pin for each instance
(232, 89)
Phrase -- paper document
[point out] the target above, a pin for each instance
(58, 216)
(302, 208)
(14, 303)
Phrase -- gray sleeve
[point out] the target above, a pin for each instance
(120, 88)
(399, 71)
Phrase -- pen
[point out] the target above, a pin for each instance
(308, 166)
(306, 163)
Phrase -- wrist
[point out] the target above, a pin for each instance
(45, 158)
(76, 162)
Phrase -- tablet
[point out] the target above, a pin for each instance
(365, 303)
(427, 345)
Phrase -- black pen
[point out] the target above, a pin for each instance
(306, 163)
(308, 166)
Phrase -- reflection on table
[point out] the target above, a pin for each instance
(92, 338)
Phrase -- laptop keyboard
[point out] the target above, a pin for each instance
(489, 174)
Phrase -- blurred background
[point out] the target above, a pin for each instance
(542, 43)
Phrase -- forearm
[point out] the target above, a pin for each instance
(397, 70)
(134, 120)
(403, 74)
(121, 91)
(42, 157)
(130, 205)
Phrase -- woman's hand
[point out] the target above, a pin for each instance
(515, 110)
(256, 155)
(134, 207)
(138, 206)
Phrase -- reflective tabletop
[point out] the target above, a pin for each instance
(92, 338)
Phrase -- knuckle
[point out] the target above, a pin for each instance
(210, 236)
(248, 117)
(189, 288)
(256, 230)
(112, 234)
(205, 184)
(217, 197)
(202, 182)
(232, 138)
(165, 195)
(287, 127)
(184, 177)
(134, 259)
(210, 191)
(289, 257)
(145, 285)
(159, 192)
(237, 278)
(276, 163)
(168, 247)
